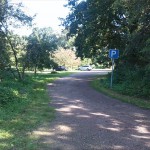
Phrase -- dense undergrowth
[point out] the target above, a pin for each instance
(23, 107)
(129, 86)
(132, 81)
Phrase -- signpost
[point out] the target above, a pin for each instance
(113, 54)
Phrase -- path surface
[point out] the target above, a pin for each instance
(88, 120)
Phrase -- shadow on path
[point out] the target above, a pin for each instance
(88, 120)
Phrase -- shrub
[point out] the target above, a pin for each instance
(54, 72)
(6, 95)
(130, 81)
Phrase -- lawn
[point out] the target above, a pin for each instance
(27, 109)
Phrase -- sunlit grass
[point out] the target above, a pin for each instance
(27, 111)
(99, 86)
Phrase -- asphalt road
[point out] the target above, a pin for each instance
(88, 120)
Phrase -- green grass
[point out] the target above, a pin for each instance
(27, 110)
(99, 83)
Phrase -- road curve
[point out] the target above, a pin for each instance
(88, 120)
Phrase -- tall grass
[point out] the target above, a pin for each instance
(24, 106)
(102, 84)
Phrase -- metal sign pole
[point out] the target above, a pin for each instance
(113, 54)
(112, 72)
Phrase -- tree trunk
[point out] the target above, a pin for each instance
(16, 59)
(23, 71)
(14, 52)
(35, 70)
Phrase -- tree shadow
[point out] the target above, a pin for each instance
(88, 120)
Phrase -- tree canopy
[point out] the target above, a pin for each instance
(11, 16)
(66, 57)
(100, 25)
(41, 43)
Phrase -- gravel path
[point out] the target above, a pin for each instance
(88, 120)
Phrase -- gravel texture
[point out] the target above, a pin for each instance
(88, 120)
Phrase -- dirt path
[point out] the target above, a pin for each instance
(88, 120)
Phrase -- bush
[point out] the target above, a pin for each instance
(54, 72)
(6, 95)
(130, 81)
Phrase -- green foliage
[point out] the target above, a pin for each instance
(97, 25)
(27, 107)
(102, 83)
(68, 59)
(4, 58)
(130, 82)
(100, 25)
(64, 42)
(86, 61)
(11, 91)
(41, 43)
(6, 95)
(54, 72)
(11, 16)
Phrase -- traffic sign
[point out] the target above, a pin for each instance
(114, 53)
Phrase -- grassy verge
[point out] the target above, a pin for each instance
(99, 85)
(27, 110)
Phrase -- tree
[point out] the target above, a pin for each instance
(16, 48)
(64, 41)
(66, 57)
(99, 25)
(4, 59)
(137, 50)
(41, 43)
(11, 16)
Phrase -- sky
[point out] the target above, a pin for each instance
(47, 13)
